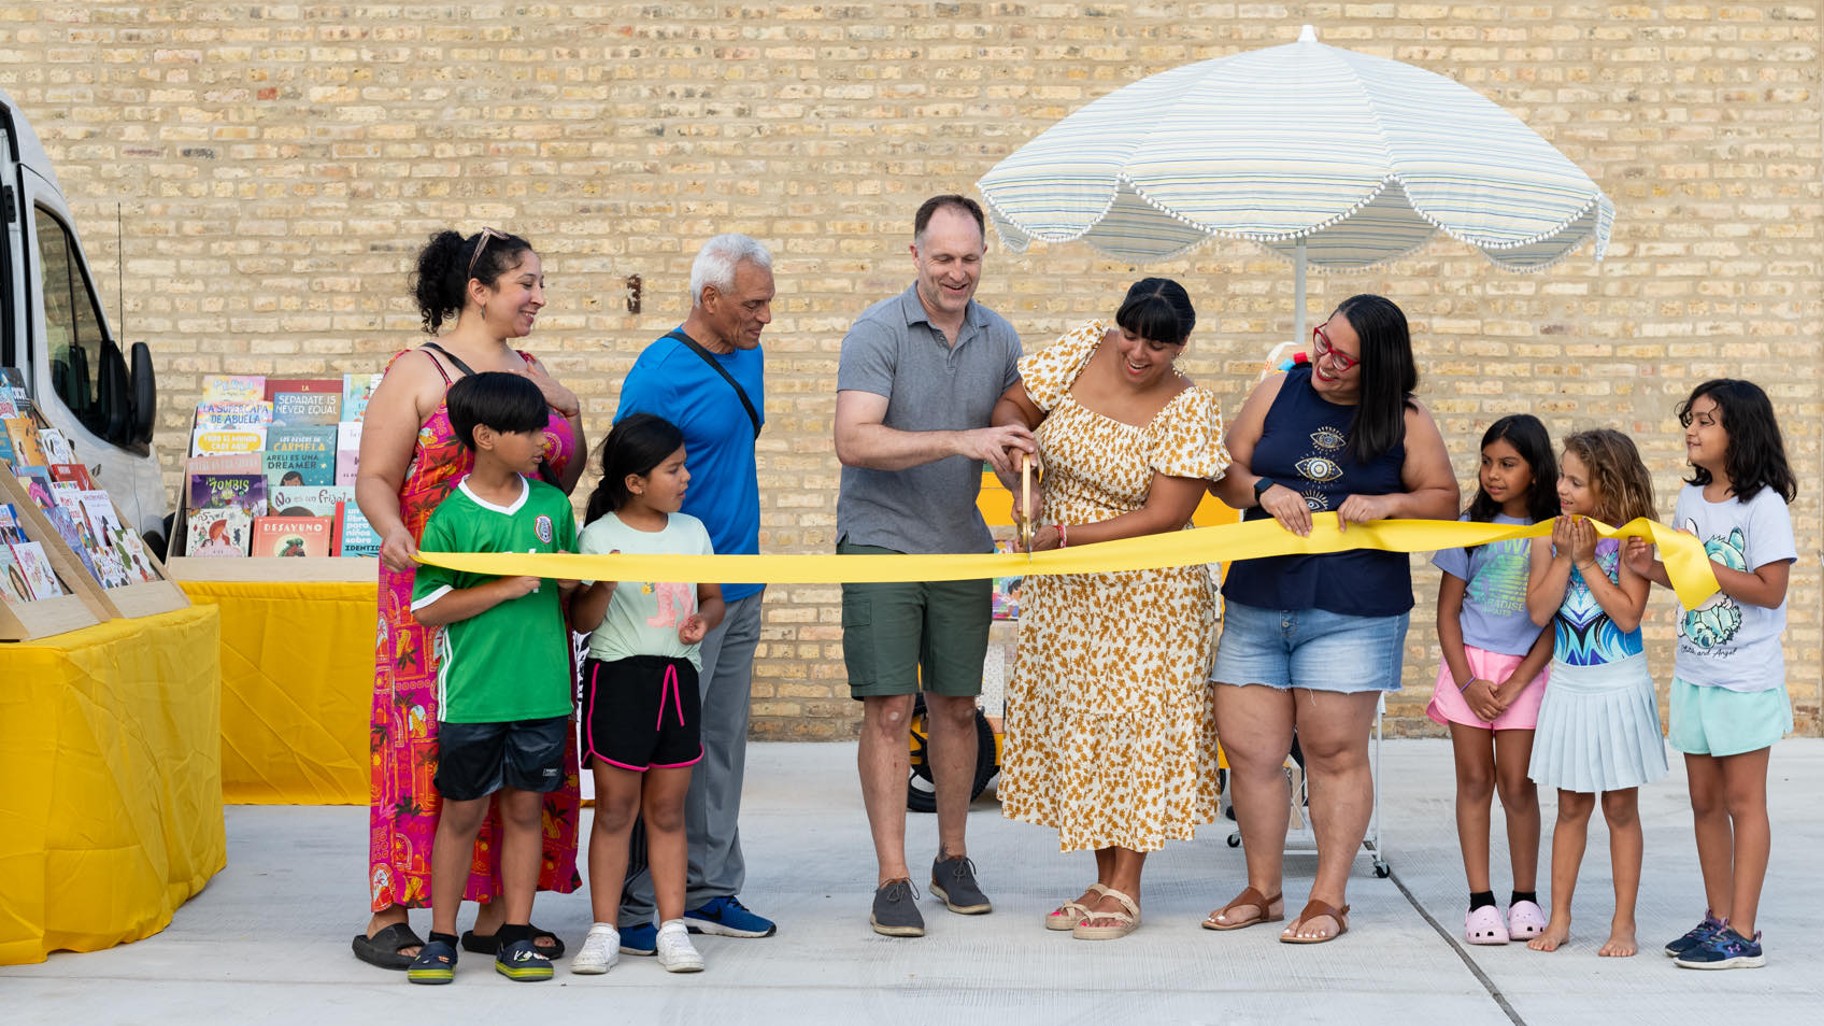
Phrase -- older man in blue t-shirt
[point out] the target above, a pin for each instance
(708, 377)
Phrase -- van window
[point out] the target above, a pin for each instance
(72, 325)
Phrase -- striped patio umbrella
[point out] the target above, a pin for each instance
(1324, 156)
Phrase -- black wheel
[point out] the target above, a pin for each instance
(921, 790)
(1235, 839)
(1382, 869)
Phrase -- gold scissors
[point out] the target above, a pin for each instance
(1026, 503)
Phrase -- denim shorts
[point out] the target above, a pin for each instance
(1310, 648)
(1714, 721)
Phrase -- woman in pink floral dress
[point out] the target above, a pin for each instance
(492, 286)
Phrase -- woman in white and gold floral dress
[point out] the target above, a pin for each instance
(1110, 733)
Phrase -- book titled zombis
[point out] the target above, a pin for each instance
(294, 536)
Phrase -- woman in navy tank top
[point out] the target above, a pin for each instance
(1311, 642)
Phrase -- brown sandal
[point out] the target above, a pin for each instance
(1069, 914)
(1266, 910)
(1315, 909)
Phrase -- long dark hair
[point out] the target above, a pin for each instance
(1533, 442)
(1158, 309)
(1389, 375)
(440, 285)
(1757, 453)
(1624, 489)
(634, 446)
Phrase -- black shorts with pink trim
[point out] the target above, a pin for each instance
(641, 713)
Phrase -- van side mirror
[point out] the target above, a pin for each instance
(145, 394)
(111, 395)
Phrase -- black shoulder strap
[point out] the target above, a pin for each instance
(753, 415)
(452, 357)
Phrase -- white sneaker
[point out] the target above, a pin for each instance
(601, 949)
(676, 953)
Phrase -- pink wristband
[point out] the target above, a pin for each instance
(1063, 536)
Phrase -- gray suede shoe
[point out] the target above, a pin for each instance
(953, 881)
(896, 910)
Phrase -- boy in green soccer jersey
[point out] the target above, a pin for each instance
(505, 677)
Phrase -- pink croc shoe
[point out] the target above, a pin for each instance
(1525, 920)
(1484, 926)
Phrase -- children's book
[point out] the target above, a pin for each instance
(227, 463)
(245, 492)
(103, 518)
(57, 448)
(354, 536)
(8, 408)
(7, 455)
(226, 441)
(348, 451)
(133, 553)
(24, 435)
(14, 590)
(357, 389)
(230, 413)
(294, 536)
(301, 455)
(299, 401)
(217, 532)
(308, 501)
(37, 483)
(1006, 595)
(35, 569)
(10, 531)
(74, 473)
(239, 388)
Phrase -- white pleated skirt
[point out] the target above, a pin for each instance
(1598, 729)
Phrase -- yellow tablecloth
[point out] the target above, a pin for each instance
(110, 781)
(297, 678)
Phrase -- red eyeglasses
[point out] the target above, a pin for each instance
(1323, 347)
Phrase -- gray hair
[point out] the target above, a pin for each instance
(716, 262)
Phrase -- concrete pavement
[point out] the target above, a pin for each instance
(268, 940)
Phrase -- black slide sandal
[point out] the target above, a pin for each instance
(490, 943)
(384, 949)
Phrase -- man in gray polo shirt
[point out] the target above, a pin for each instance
(919, 376)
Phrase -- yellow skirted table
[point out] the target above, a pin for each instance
(111, 809)
(297, 678)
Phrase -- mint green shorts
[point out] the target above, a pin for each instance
(1714, 721)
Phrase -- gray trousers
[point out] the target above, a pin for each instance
(712, 809)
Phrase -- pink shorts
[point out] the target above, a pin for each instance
(1447, 704)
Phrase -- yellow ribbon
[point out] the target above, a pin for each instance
(1686, 564)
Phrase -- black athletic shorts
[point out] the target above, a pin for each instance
(475, 760)
(642, 712)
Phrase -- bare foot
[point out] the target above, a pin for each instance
(1621, 943)
(1557, 933)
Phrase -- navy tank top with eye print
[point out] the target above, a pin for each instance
(1304, 445)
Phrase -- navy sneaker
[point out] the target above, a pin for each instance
(1725, 949)
(727, 917)
(1695, 936)
(640, 939)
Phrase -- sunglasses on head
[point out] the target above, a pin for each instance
(481, 243)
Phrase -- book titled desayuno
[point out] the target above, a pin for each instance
(293, 536)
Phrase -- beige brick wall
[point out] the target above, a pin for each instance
(277, 165)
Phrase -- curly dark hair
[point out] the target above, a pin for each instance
(440, 284)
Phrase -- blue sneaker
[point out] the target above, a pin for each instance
(727, 917)
(640, 939)
(1695, 936)
(1725, 949)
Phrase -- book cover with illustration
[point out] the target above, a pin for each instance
(133, 553)
(98, 507)
(300, 455)
(348, 451)
(357, 389)
(245, 492)
(308, 501)
(23, 433)
(35, 569)
(234, 388)
(1006, 597)
(10, 528)
(217, 532)
(57, 448)
(8, 408)
(294, 536)
(37, 483)
(14, 590)
(297, 401)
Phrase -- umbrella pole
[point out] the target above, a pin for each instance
(1298, 297)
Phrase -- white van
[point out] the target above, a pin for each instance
(54, 333)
